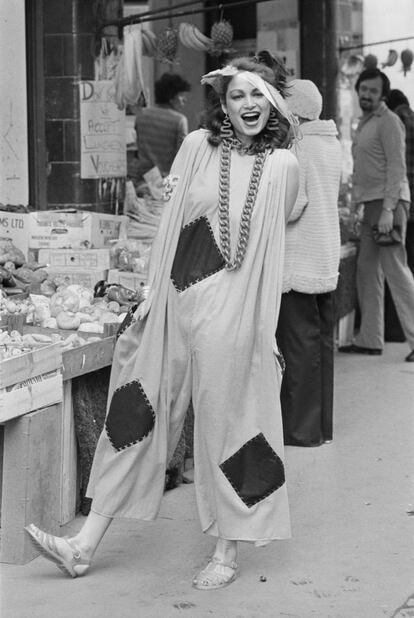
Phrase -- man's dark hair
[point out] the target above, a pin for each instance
(168, 86)
(372, 74)
(395, 98)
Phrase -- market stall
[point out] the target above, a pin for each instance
(58, 316)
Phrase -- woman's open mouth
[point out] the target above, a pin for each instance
(250, 118)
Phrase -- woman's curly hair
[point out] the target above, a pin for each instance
(271, 70)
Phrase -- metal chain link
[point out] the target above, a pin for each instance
(223, 210)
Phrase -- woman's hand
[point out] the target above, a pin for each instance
(145, 303)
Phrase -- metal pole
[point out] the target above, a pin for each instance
(166, 13)
(405, 38)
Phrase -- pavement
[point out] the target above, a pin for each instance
(350, 556)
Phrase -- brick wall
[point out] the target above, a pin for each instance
(69, 46)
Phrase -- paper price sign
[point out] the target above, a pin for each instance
(102, 127)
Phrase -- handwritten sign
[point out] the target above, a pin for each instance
(102, 126)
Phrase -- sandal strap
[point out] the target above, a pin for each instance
(231, 564)
(216, 574)
(76, 554)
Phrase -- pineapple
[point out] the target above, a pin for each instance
(167, 45)
(222, 36)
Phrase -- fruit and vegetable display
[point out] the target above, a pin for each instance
(14, 343)
(16, 271)
(144, 214)
(73, 307)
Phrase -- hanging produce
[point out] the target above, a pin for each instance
(352, 65)
(129, 83)
(370, 61)
(107, 61)
(149, 42)
(221, 36)
(391, 58)
(167, 45)
(407, 60)
(191, 37)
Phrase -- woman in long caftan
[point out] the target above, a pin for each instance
(205, 333)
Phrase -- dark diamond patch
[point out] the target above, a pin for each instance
(130, 418)
(255, 471)
(197, 255)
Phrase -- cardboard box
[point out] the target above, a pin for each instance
(63, 229)
(15, 227)
(97, 259)
(80, 276)
(129, 280)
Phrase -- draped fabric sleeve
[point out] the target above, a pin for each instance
(185, 164)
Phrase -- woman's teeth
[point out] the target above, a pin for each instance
(250, 117)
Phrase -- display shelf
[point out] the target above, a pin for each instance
(88, 358)
(30, 381)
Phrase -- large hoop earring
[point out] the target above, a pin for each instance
(226, 129)
(273, 122)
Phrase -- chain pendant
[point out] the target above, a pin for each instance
(246, 215)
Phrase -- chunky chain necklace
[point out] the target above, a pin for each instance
(223, 211)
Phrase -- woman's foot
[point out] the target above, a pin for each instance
(217, 574)
(64, 552)
(221, 570)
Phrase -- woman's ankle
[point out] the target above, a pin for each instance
(226, 550)
(86, 550)
(90, 535)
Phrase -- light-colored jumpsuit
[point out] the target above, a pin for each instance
(209, 336)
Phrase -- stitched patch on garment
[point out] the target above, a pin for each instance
(197, 255)
(130, 418)
(255, 471)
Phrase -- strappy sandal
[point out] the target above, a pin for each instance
(217, 574)
(46, 544)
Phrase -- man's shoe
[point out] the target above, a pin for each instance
(410, 357)
(357, 349)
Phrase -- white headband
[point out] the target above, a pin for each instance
(270, 92)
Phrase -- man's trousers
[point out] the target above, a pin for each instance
(375, 264)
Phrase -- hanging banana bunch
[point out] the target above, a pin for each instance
(191, 37)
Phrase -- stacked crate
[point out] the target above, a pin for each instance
(31, 393)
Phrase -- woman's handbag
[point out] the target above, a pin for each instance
(387, 239)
